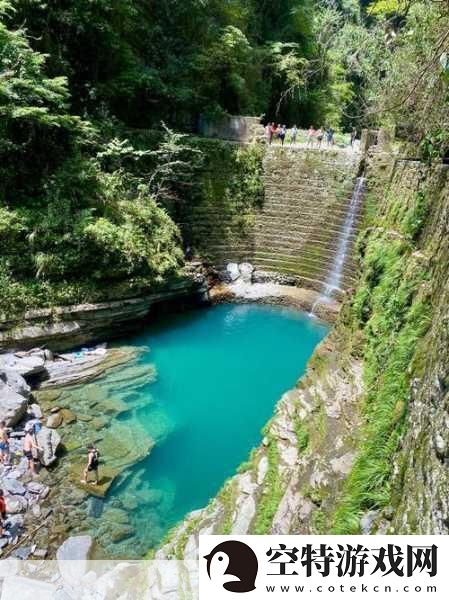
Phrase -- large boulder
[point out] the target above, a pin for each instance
(72, 557)
(16, 504)
(26, 366)
(54, 420)
(15, 381)
(27, 589)
(13, 486)
(246, 272)
(48, 440)
(232, 271)
(13, 406)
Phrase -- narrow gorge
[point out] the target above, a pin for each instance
(224, 268)
(360, 444)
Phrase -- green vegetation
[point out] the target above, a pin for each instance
(272, 492)
(392, 309)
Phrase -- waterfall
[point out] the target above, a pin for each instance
(334, 277)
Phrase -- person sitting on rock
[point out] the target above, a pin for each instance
(2, 513)
(92, 464)
(29, 445)
(4, 443)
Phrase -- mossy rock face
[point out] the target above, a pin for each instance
(295, 199)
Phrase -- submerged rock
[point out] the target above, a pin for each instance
(120, 532)
(68, 416)
(54, 420)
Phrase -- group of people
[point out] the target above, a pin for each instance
(31, 448)
(315, 137)
(279, 132)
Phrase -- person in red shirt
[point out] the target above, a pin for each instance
(2, 512)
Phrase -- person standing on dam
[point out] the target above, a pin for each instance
(293, 135)
(311, 136)
(282, 134)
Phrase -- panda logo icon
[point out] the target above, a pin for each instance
(234, 566)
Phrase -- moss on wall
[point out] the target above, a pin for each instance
(389, 317)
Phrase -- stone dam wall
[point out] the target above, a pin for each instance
(295, 227)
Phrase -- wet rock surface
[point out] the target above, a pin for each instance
(67, 327)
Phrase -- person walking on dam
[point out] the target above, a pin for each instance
(311, 137)
(282, 134)
(293, 135)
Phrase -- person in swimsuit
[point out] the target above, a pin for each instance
(319, 136)
(30, 444)
(4, 443)
(92, 464)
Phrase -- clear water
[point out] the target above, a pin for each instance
(220, 371)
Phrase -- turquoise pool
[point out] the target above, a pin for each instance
(219, 373)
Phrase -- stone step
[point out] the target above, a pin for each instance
(325, 252)
(325, 241)
(263, 238)
(289, 221)
(285, 223)
(299, 265)
(299, 235)
(300, 214)
(291, 268)
(326, 265)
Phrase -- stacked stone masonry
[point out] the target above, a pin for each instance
(297, 229)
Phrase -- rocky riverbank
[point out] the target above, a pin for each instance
(42, 510)
(64, 327)
(242, 283)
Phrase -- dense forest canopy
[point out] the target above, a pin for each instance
(83, 211)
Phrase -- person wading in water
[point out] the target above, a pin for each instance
(92, 464)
